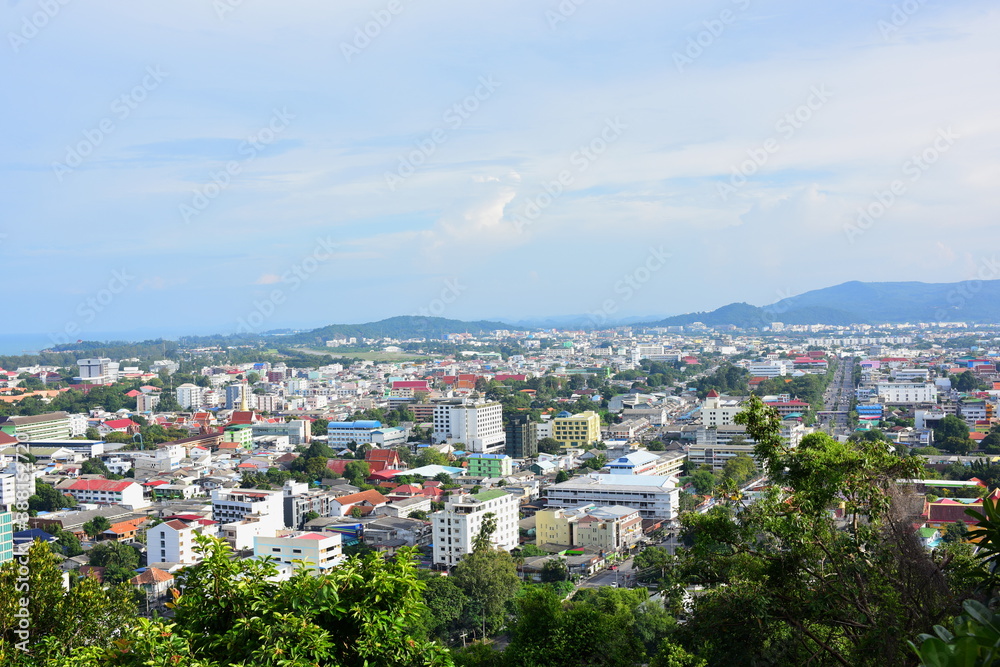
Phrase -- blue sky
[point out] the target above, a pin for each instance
(208, 165)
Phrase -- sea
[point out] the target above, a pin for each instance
(25, 343)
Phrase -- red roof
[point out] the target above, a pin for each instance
(155, 482)
(388, 455)
(151, 576)
(120, 423)
(371, 496)
(337, 465)
(312, 536)
(99, 485)
(712, 394)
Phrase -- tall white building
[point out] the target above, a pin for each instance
(457, 525)
(479, 426)
(189, 396)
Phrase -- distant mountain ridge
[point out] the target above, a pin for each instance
(863, 303)
(403, 326)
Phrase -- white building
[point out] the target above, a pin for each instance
(320, 551)
(173, 541)
(189, 396)
(654, 497)
(10, 485)
(907, 392)
(105, 492)
(719, 410)
(643, 462)
(98, 371)
(147, 402)
(362, 431)
(479, 426)
(246, 514)
(165, 459)
(768, 369)
(457, 525)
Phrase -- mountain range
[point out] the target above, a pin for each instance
(856, 302)
(975, 301)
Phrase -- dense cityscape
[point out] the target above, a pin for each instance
(558, 333)
(490, 475)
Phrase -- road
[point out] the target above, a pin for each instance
(837, 399)
(623, 576)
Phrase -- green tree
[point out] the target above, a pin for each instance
(431, 457)
(356, 472)
(809, 589)
(740, 469)
(955, 532)
(318, 426)
(488, 577)
(549, 446)
(952, 434)
(555, 570)
(94, 467)
(704, 482)
(61, 622)
(118, 560)
(66, 544)
(96, 526)
(48, 499)
(445, 605)
(562, 476)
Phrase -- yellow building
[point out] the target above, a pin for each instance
(611, 529)
(580, 430)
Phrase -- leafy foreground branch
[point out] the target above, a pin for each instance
(230, 613)
(824, 569)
